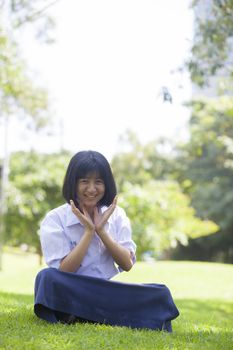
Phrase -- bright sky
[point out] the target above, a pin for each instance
(106, 71)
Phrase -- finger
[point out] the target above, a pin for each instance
(109, 211)
(74, 209)
(72, 204)
(85, 212)
(113, 205)
(114, 202)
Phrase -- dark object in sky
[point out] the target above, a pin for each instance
(167, 97)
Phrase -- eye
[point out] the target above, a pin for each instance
(99, 182)
(82, 181)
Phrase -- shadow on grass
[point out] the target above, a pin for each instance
(202, 324)
(209, 312)
(206, 310)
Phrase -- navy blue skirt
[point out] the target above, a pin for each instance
(103, 301)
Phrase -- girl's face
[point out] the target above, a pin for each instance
(90, 190)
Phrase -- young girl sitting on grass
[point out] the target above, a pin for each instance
(86, 242)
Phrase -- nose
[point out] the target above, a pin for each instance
(91, 186)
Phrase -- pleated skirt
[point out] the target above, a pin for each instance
(133, 305)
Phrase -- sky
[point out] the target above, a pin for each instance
(105, 72)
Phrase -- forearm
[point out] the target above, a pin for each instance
(73, 260)
(120, 254)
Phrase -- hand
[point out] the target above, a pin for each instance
(84, 217)
(100, 219)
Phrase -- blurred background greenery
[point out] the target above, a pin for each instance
(178, 195)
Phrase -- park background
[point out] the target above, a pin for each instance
(158, 103)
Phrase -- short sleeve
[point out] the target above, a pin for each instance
(124, 233)
(54, 243)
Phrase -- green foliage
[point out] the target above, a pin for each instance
(205, 167)
(19, 94)
(140, 163)
(212, 45)
(31, 14)
(160, 213)
(34, 189)
(161, 216)
(207, 172)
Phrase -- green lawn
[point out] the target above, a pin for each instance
(203, 292)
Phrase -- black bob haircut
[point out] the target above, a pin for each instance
(82, 164)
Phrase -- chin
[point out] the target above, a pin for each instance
(90, 204)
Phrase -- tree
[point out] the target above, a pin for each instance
(161, 216)
(141, 162)
(211, 52)
(205, 164)
(35, 182)
(160, 213)
(31, 14)
(19, 95)
(206, 174)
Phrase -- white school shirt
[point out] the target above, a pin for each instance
(61, 230)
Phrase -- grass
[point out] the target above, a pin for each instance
(203, 292)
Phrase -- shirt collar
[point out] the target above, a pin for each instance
(71, 219)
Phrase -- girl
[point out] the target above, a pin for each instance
(86, 242)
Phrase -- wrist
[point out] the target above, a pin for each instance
(89, 232)
(101, 232)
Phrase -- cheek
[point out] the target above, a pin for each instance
(103, 190)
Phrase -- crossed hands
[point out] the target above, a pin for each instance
(95, 224)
